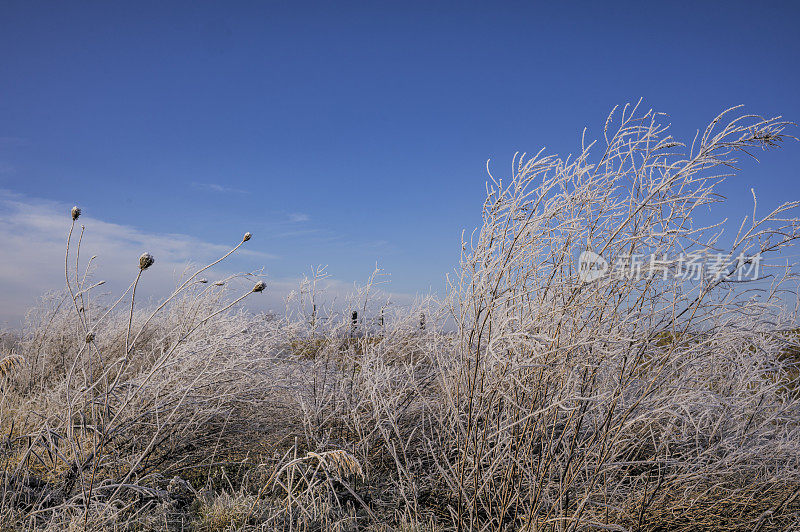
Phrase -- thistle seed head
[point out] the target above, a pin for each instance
(76, 212)
(145, 261)
(260, 286)
(247, 236)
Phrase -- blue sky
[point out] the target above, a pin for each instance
(349, 133)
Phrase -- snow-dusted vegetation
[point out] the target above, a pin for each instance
(524, 399)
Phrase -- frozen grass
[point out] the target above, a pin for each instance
(529, 401)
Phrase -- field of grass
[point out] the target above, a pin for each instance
(528, 401)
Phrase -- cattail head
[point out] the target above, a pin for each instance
(76, 212)
(260, 286)
(145, 261)
(247, 236)
(89, 337)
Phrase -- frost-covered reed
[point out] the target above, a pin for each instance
(528, 401)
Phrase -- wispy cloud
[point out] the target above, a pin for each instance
(215, 187)
(33, 237)
(13, 141)
(6, 169)
(299, 217)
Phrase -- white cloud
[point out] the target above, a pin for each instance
(215, 187)
(33, 234)
(298, 217)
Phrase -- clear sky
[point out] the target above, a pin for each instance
(342, 133)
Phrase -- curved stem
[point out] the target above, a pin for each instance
(130, 317)
(182, 287)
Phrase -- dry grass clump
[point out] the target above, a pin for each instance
(113, 399)
(10, 363)
(525, 400)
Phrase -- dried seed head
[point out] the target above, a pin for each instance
(260, 286)
(767, 137)
(203, 281)
(89, 337)
(9, 363)
(145, 261)
(338, 462)
(76, 212)
(219, 283)
(247, 236)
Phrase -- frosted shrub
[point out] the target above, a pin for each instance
(530, 397)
